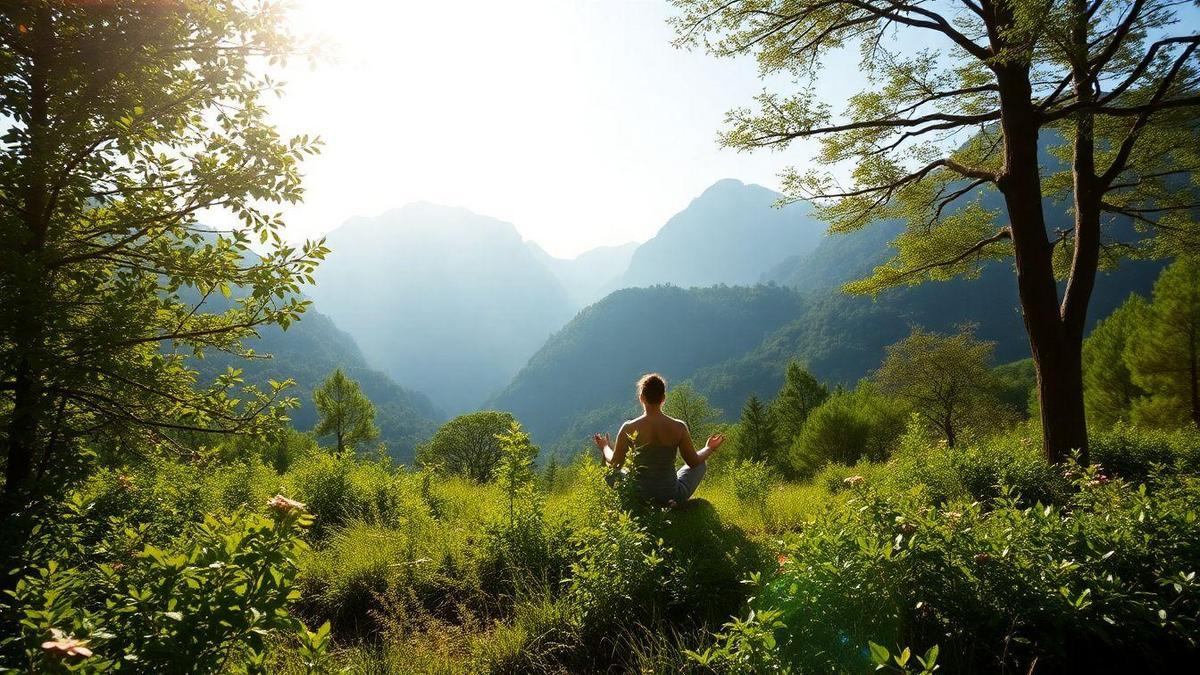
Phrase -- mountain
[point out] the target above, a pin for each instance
(731, 234)
(447, 301)
(308, 351)
(591, 364)
(841, 338)
(585, 276)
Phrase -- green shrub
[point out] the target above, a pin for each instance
(339, 489)
(1105, 582)
(618, 575)
(205, 606)
(520, 547)
(1132, 452)
(848, 426)
(752, 483)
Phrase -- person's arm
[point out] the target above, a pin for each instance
(613, 457)
(693, 457)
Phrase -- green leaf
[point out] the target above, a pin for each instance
(879, 654)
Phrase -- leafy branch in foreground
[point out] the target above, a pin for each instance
(129, 123)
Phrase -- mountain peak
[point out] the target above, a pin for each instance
(732, 186)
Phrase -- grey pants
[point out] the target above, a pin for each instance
(687, 479)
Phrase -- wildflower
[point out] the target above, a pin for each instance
(64, 645)
(1100, 479)
(854, 480)
(783, 559)
(284, 505)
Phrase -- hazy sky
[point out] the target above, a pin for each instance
(575, 120)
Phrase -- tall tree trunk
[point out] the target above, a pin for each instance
(1057, 356)
(32, 294)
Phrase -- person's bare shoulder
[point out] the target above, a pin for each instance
(680, 426)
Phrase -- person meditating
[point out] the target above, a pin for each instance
(657, 438)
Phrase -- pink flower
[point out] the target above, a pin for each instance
(284, 505)
(63, 646)
(854, 480)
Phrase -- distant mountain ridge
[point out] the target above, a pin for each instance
(586, 276)
(593, 361)
(731, 234)
(447, 301)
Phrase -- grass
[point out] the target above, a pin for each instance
(420, 573)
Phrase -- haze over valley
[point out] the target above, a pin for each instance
(461, 313)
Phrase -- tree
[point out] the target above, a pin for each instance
(756, 435)
(1107, 383)
(946, 379)
(1164, 352)
(800, 395)
(344, 412)
(847, 427)
(125, 122)
(686, 404)
(468, 445)
(946, 137)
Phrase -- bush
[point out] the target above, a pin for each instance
(1132, 452)
(618, 574)
(339, 489)
(129, 604)
(1104, 583)
(848, 426)
(169, 496)
(751, 483)
(521, 547)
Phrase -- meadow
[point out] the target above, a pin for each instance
(976, 559)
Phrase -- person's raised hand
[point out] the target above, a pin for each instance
(601, 441)
(715, 441)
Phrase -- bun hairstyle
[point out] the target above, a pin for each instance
(652, 388)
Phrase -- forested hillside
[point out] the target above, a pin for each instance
(448, 302)
(842, 337)
(592, 362)
(307, 352)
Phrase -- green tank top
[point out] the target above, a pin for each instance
(654, 470)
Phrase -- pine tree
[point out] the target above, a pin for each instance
(1109, 390)
(1164, 353)
(800, 395)
(757, 434)
(345, 412)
